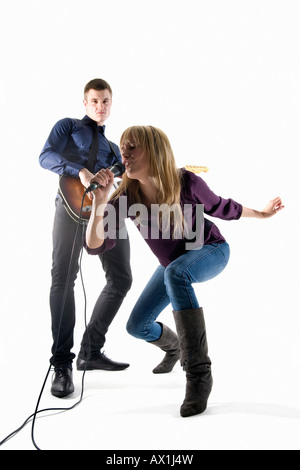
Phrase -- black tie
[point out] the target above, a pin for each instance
(93, 148)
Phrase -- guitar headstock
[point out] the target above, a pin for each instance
(196, 169)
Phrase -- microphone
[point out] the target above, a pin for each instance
(118, 169)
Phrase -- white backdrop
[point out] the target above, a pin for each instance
(222, 79)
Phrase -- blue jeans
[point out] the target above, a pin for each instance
(173, 284)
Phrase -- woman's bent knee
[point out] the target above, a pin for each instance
(138, 331)
(133, 330)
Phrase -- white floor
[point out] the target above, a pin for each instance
(135, 409)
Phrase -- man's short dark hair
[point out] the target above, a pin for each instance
(97, 84)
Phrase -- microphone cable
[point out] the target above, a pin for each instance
(33, 416)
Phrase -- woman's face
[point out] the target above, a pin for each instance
(135, 160)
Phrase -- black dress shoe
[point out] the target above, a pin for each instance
(62, 384)
(100, 363)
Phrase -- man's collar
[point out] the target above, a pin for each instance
(93, 123)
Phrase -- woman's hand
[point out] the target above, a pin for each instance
(106, 179)
(103, 177)
(95, 230)
(272, 208)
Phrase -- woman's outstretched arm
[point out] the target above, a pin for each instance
(272, 208)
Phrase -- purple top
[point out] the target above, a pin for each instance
(194, 192)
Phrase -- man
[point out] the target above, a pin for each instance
(67, 151)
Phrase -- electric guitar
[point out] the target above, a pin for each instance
(72, 192)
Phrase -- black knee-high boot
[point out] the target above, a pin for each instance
(168, 342)
(190, 326)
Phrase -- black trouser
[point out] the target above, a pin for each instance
(116, 265)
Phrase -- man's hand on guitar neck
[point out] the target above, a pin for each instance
(86, 177)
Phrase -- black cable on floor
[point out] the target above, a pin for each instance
(33, 416)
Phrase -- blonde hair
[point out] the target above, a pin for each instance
(163, 173)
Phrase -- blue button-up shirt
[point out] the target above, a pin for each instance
(66, 150)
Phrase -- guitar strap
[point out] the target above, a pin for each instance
(112, 149)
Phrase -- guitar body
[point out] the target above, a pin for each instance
(72, 192)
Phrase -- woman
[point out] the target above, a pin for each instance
(151, 180)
